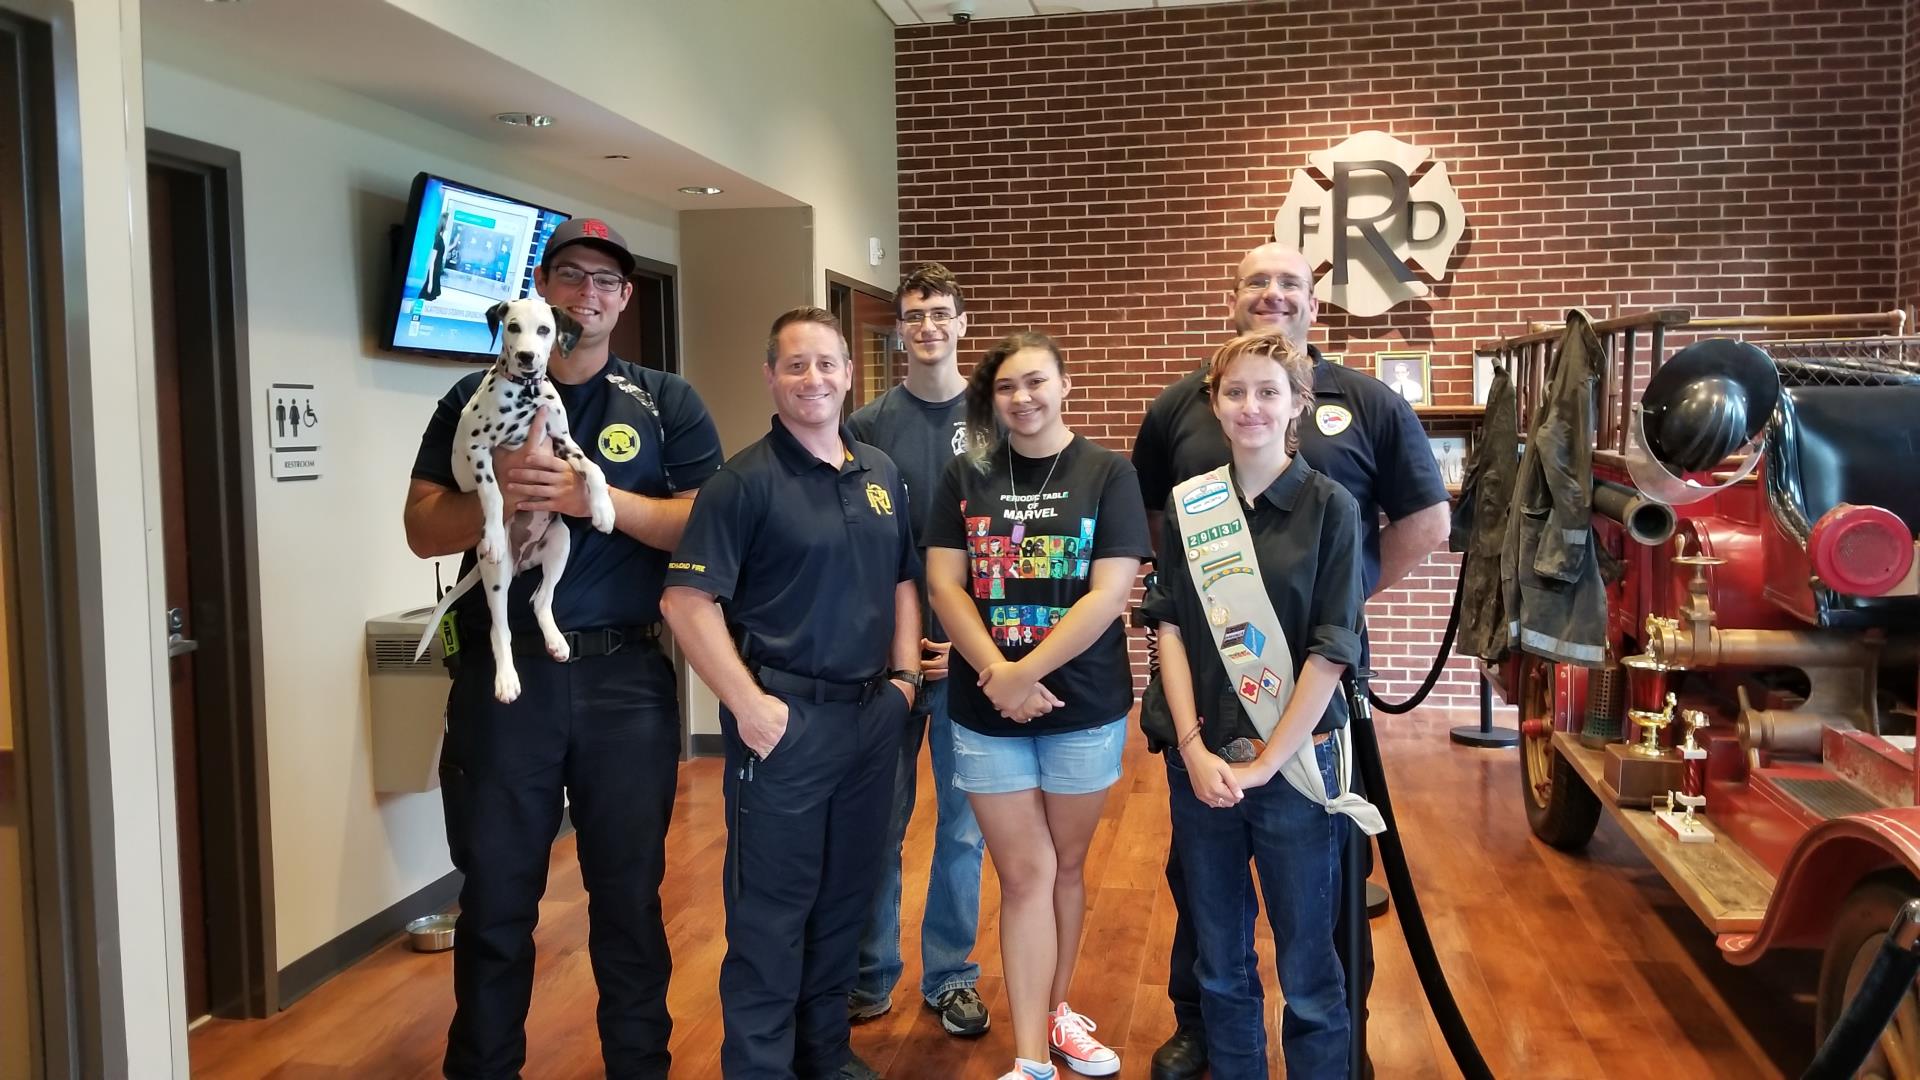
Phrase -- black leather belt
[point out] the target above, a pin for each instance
(582, 644)
(819, 691)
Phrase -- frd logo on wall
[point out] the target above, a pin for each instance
(1372, 209)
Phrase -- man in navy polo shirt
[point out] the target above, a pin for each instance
(1367, 439)
(794, 595)
(604, 728)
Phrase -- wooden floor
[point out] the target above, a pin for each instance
(1566, 966)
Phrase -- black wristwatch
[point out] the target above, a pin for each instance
(911, 678)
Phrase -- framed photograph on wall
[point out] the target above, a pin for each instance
(1406, 374)
(1450, 454)
(1482, 377)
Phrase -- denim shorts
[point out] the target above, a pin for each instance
(1067, 763)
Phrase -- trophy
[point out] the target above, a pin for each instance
(1642, 772)
(1695, 755)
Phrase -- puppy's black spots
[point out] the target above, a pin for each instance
(496, 588)
(476, 433)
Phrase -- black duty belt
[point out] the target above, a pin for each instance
(819, 691)
(583, 644)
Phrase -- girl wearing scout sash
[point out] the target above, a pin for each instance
(1032, 547)
(1258, 607)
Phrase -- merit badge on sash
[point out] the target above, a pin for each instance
(1249, 689)
(1241, 644)
(1270, 682)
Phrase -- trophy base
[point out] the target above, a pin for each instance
(1686, 830)
(1638, 780)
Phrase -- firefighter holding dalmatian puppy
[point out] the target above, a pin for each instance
(603, 728)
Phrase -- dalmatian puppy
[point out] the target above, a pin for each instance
(499, 415)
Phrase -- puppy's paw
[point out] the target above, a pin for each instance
(493, 543)
(603, 513)
(557, 648)
(506, 685)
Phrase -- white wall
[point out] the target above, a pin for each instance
(797, 94)
(325, 174)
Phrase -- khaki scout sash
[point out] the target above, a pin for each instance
(1259, 662)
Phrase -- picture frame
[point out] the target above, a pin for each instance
(1407, 374)
(1450, 457)
(1482, 377)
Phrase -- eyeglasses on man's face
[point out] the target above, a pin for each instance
(1259, 283)
(937, 318)
(572, 277)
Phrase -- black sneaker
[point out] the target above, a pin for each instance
(861, 1011)
(855, 1069)
(962, 1012)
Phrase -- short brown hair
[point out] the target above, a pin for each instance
(931, 279)
(1292, 359)
(820, 316)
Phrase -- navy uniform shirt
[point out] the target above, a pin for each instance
(1316, 600)
(650, 433)
(1358, 433)
(803, 557)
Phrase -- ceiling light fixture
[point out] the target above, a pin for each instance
(614, 157)
(700, 190)
(524, 119)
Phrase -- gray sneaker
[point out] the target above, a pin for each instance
(855, 1069)
(962, 1012)
(858, 1011)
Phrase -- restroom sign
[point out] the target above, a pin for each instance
(1379, 215)
(296, 421)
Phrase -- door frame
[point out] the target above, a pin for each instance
(839, 286)
(667, 276)
(79, 1020)
(230, 688)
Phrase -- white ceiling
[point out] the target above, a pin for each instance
(375, 50)
(912, 12)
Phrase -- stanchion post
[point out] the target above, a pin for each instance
(1485, 734)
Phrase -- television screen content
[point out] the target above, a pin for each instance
(465, 249)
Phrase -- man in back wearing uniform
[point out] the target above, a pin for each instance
(1363, 436)
(922, 426)
(794, 594)
(604, 728)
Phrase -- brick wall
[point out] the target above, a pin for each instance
(1909, 291)
(1096, 176)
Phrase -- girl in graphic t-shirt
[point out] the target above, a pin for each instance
(1040, 683)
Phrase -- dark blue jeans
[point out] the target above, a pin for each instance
(1294, 846)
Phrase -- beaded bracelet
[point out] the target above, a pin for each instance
(1188, 737)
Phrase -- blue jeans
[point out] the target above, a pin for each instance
(1295, 848)
(952, 915)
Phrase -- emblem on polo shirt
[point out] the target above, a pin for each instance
(1332, 419)
(619, 442)
(880, 499)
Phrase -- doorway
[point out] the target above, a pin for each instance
(212, 608)
(648, 332)
(866, 314)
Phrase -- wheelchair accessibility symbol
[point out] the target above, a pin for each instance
(619, 442)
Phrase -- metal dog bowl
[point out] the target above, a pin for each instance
(431, 933)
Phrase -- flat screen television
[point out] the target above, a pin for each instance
(461, 250)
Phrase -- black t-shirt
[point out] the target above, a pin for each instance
(803, 557)
(1358, 432)
(1316, 597)
(1088, 509)
(921, 437)
(651, 435)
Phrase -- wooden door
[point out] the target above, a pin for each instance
(162, 190)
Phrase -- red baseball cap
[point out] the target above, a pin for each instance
(594, 233)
